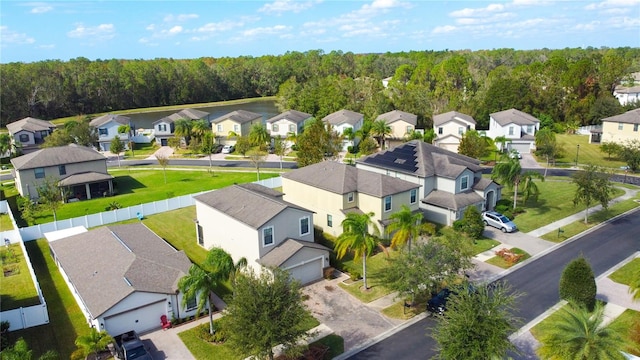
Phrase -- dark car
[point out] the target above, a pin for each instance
(438, 303)
(217, 148)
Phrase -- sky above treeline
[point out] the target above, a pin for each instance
(34, 31)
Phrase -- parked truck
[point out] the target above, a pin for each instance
(128, 346)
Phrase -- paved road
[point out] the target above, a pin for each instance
(604, 248)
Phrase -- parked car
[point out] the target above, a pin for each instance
(128, 346)
(228, 149)
(217, 148)
(515, 154)
(438, 303)
(499, 221)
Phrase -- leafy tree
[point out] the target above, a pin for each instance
(243, 144)
(429, 136)
(478, 323)
(264, 311)
(174, 142)
(356, 237)
(473, 144)
(413, 135)
(58, 138)
(471, 223)
(509, 172)
(405, 226)
(5, 144)
(183, 128)
(380, 130)
(93, 342)
(630, 153)
(546, 145)
(503, 141)
(279, 148)
(116, 147)
(578, 284)
(50, 195)
(21, 351)
(592, 184)
(604, 107)
(163, 161)
(257, 158)
(315, 142)
(610, 148)
(581, 334)
(367, 146)
(259, 136)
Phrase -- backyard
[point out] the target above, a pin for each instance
(587, 153)
(17, 288)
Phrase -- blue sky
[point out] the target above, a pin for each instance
(33, 31)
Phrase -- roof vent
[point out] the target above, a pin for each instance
(127, 281)
(400, 161)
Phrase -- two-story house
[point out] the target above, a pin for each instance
(342, 120)
(29, 133)
(450, 127)
(628, 93)
(621, 128)
(449, 182)
(255, 222)
(288, 123)
(79, 170)
(401, 124)
(164, 128)
(518, 127)
(107, 127)
(236, 123)
(332, 190)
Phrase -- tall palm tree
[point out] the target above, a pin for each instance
(405, 226)
(380, 130)
(183, 128)
(578, 334)
(199, 128)
(509, 172)
(259, 136)
(357, 238)
(93, 342)
(502, 140)
(530, 189)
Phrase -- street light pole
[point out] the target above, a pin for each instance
(577, 153)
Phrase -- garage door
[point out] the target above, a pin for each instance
(142, 319)
(307, 272)
(522, 148)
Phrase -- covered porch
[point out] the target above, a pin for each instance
(86, 186)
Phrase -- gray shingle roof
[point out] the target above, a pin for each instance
(169, 119)
(294, 116)
(451, 201)
(418, 158)
(239, 116)
(192, 114)
(99, 121)
(30, 124)
(397, 115)
(630, 117)
(98, 261)
(84, 178)
(619, 90)
(514, 116)
(285, 250)
(451, 116)
(253, 205)
(341, 179)
(343, 117)
(53, 156)
(482, 183)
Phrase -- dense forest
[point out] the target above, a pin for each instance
(568, 86)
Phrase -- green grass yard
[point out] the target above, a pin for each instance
(484, 244)
(375, 266)
(625, 274)
(588, 153)
(17, 288)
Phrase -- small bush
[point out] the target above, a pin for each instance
(355, 275)
(502, 208)
(578, 284)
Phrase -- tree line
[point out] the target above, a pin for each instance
(561, 86)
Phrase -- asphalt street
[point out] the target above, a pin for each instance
(538, 281)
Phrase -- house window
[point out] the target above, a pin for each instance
(414, 196)
(468, 127)
(440, 130)
(387, 203)
(460, 130)
(350, 197)
(103, 131)
(275, 128)
(329, 220)
(44, 133)
(162, 127)
(267, 236)
(529, 129)
(304, 226)
(24, 138)
(236, 129)
(39, 173)
(200, 234)
(409, 129)
(511, 130)
(219, 128)
(292, 128)
(62, 169)
(192, 303)
(635, 127)
(620, 125)
(464, 183)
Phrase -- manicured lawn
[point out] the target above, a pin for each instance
(375, 266)
(141, 151)
(588, 154)
(501, 262)
(135, 187)
(624, 325)
(5, 222)
(17, 288)
(484, 244)
(625, 274)
(399, 311)
(66, 321)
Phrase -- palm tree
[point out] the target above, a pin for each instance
(580, 335)
(380, 130)
(199, 128)
(530, 189)
(405, 226)
(203, 280)
(502, 140)
(93, 342)
(184, 128)
(509, 172)
(259, 136)
(357, 238)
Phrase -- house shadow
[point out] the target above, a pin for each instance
(125, 184)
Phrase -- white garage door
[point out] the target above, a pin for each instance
(308, 272)
(142, 319)
(522, 148)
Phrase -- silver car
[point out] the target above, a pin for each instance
(499, 221)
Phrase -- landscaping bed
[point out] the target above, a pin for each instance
(506, 258)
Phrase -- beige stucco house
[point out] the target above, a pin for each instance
(401, 124)
(622, 128)
(448, 182)
(79, 170)
(237, 122)
(29, 133)
(450, 127)
(332, 190)
(255, 222)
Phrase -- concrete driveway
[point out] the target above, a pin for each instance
(529, 162)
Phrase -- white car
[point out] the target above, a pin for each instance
(499, 221)
(228, 149)
(515, 154)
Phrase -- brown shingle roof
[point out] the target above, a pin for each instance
(630, 117)
(514, 116)
(248, 204)
(101, 120)
(292, 115)
(285, 250)
(451, 201)
(340, 179)
(397, 115)
(239, 116)
(98, 262)
(451, 116)
(53, 156)
(342, 117)
(30, 124)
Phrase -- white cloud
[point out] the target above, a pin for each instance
(180, 17)
(12, 37)
(218, 27)
(101, 32)
(486, 19)
(41, 9)
(175, 30)
(612, 3)
(281, 6)
(265, 30)
(477, 12)
(443, 29)
(587, 27)
(151, 27)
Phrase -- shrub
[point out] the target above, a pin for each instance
(355, 275)
(471, 223)
(218, 335)
(578, 284)
(502, 208)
